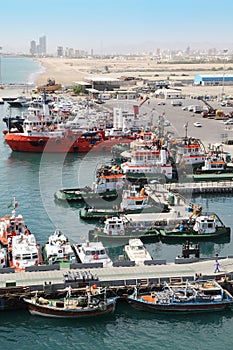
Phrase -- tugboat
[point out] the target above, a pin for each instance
(106, 187)
(133, 202)
(118, 230)
(204, 227)
(218, 166)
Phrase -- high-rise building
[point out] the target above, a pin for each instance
(33, 49)
(38, 48)
(42, 45)
(60, 52)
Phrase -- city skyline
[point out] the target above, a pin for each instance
(128, 26)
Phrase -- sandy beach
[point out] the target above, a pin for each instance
(69, 71)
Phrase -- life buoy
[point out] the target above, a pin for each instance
(109, 232)
(95, 256)
(102, 305)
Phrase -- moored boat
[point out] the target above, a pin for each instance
(42, 133)
(204, 227)
(199, 296)
(118, 230)
(133, 202)
(58, 249)
(217, 166)
(136, 251)
(106, 187)
(92, 252)
(83, 306)
(21, 246)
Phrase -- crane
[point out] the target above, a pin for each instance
(212, 112)
(143, 101)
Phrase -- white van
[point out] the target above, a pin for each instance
(176, 103)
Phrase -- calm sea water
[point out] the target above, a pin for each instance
(33, 179)
(19, 70)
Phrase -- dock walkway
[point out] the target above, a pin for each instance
(200, 187)
(122, 274)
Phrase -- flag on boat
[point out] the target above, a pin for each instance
(13, 204)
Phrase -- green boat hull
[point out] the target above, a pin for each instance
(222, 233)
(81, 195)
(146, 235)
(98, 214)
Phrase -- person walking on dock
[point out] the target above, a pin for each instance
(217, 266)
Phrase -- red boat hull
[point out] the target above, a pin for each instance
(36, 144)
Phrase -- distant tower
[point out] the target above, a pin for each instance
(60, 52)
(187, 51)
(42, 45)
(33, 50)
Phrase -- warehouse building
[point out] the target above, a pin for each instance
(213, 80)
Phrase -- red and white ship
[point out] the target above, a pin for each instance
(20, 244)
(39, 134)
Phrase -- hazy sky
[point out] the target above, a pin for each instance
(108, 26)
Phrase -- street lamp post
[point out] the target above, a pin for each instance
(224, 72)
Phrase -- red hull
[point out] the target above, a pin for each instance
(37, 144)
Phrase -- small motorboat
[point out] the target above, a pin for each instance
(58, 249)
(92, 252)
(136, 251)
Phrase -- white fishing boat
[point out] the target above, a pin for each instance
(92, 252)
(21, 245)
(58, 249)
(136, 251)
(24, 251)
(3, 257)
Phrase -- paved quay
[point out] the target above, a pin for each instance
(123, 274)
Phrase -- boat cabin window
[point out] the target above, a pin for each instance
(139, 202)
(26, 256)
(87, 252)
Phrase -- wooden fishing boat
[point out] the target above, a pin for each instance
(50, 87)
(199, 296)
(83, 306)
(205, 227)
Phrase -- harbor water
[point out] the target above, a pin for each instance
(32, 179)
